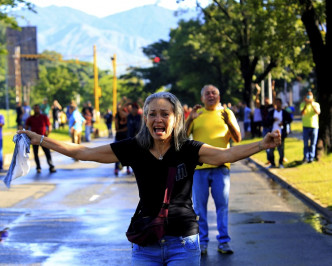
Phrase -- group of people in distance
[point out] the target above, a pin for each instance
(163, 134)
(39, 122)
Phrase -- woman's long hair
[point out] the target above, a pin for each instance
(144, 137)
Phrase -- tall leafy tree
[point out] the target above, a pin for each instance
(316, 17)
(253, 31)
(197, 60)
(67, 80)
(55, 82)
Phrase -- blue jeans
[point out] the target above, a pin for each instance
(309, 149)
(219, 181)
(281, 150)
(87, 133)
(1, 164)
(170, 250)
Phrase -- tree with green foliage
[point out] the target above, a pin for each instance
(186, 63)
(226, 47)
(196, 60)
(315, 16)
(65, 80)
(132, 87)
(254, 31)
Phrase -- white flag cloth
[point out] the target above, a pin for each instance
(20, 164)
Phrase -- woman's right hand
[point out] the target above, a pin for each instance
(34, 137)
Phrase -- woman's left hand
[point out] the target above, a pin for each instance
(271, 140)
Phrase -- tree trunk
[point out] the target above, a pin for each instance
(247, 71)
(321, 56)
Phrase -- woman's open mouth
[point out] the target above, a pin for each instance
(159, 130)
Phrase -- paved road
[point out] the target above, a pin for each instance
(78, 216)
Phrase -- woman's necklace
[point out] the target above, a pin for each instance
(161, 155)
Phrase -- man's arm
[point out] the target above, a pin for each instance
(316, 108)
(304, 107)
(233, 128)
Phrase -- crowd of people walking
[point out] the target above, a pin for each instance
(46, 117)
(253, 122)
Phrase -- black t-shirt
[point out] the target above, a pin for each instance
(151, 176)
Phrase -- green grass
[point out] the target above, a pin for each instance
(10, 118)
(315, 179)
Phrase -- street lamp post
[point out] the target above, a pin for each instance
(114, 85)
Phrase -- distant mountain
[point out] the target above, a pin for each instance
(73, 33)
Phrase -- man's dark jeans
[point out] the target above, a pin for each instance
(47, 153)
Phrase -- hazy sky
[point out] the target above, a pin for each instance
(102, 8)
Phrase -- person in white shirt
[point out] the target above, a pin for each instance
(278, 119)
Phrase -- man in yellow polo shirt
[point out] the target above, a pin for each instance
(310, 111)
(213, 125)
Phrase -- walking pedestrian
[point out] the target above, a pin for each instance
(88, 106)
(62, 119)
(40, 124)
(265, 109)
(257, 120)
(2, 123)
(75, 122)
(161, 144)
(310, 111)
(279, 119)
(88, 125)
(56, 109)
(108, 121)
(19, 115)
(45, 108)
(215, 126)
(26, 112)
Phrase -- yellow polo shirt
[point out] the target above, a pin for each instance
(210, 128)
(310, 118)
